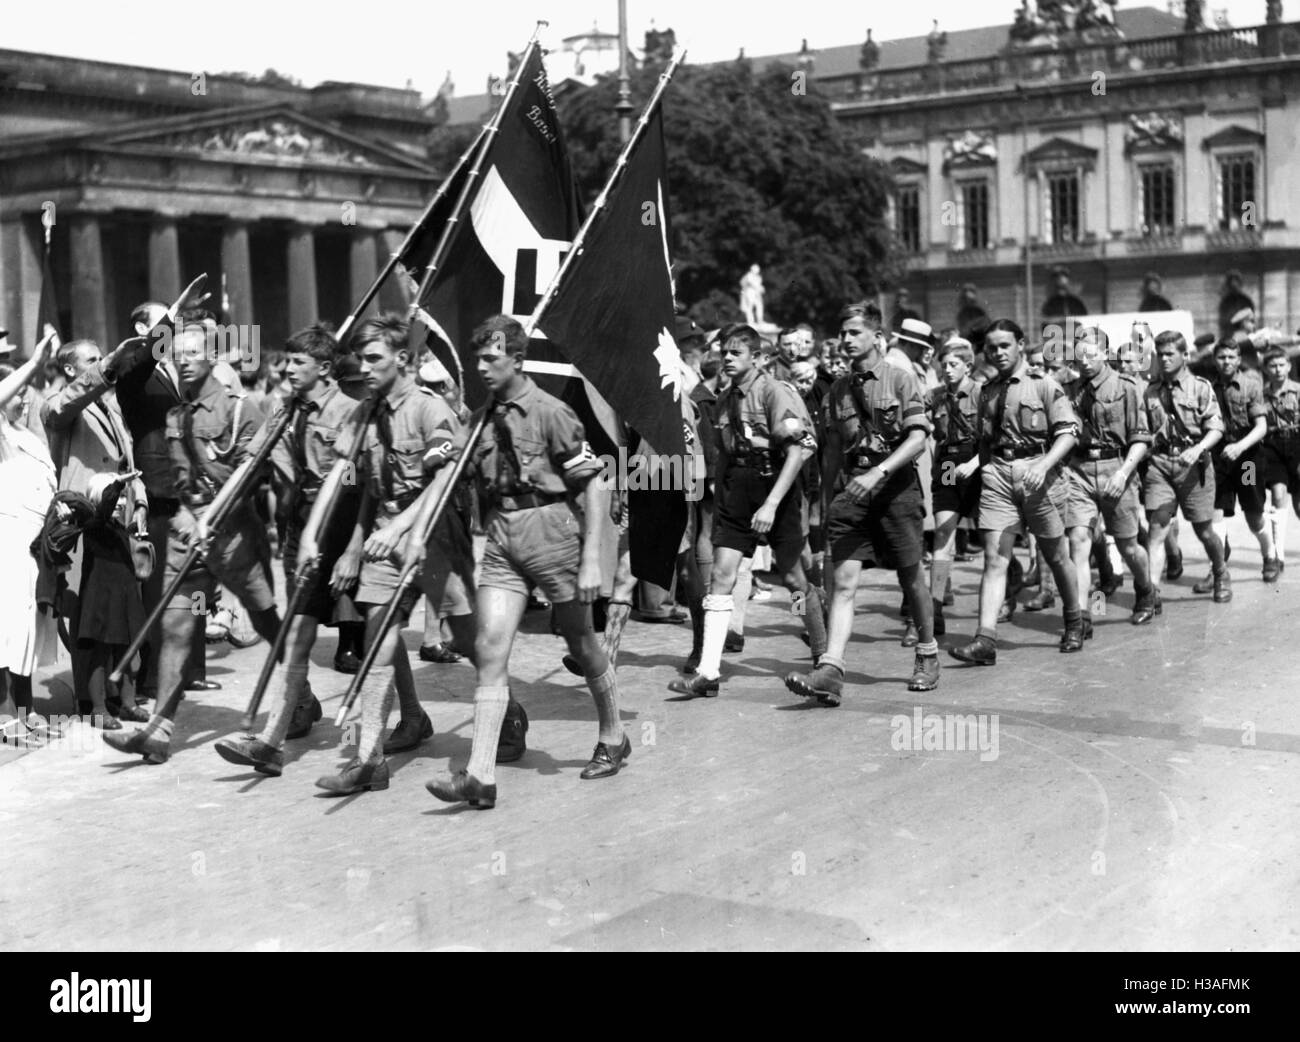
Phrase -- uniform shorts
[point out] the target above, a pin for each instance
(447, 577)
(1171, 485)
(948, 493)
(1006, 506)
(1239, 482)
(237, 559)
(886, 531)
(318, 600)
(1279, 462)
(740, 493)
(538, 547)
(1086, 499)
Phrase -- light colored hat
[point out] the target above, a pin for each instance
(1241, 316)
(914, 331)
(434, 372)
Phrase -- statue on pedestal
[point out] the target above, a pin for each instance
(935, 44)
(1194, 16)
(1273, 12)
(751, 295)
(870, 55)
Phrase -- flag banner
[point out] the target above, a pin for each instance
(612, 314)
(515, 230)
(47, 311)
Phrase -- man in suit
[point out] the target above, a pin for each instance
(88, 437)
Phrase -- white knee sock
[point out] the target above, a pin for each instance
(489, 714)
(1281, 515)
(717, 614)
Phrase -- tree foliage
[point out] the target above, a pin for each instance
(759, 173)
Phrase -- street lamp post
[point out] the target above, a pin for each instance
(624, 106)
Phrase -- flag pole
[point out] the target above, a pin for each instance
(602, 200)
(488, 134)
(394, 259)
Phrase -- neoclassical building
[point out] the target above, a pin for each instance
(290, 198)
(1112, 143)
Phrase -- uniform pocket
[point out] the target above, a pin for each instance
(407, 460)
(886, 416)
(1033, 418)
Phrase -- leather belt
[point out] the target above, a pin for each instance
(526, 501)
(956, 448)
(752, 461)
(1006, 455)
(863, 461)
(399, 503)
(1092, 455)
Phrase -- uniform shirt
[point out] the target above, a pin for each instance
(955, 414)
(1035, 412)
(410, 434)
(706, 402)
(1283, 408)
(1110, 412)
(1241, 402)
(1181, 412)
(548, 441)
(208, 436)
(771, 413)
(891, 403)
(305, 455)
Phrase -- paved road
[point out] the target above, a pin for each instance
(1141, 795)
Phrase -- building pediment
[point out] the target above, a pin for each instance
(275, 135)
(1232, 137)
(903, 165)
(1153, 132)
(1058, 151)
(971, 149)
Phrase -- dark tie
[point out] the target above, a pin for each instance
(384, 427)
(1000, 410)
(734, 396)
(299, 444)
(508, 472)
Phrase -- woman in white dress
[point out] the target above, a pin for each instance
(28, 638)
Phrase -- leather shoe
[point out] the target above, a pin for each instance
(1086, 623)
(155, 748)
(252, 752)
(202, 685)
(606, 763)
(511, 745)
(1222, 587)
(439, 653)
(462, 787)
(1174, 567)
(1206, 585)
(1041, 602)
(1007, 610)
(734, 644)
(571, 664)
(304, 715)
(407, 735)
(911, 636)
(133, 715)
(105, 721)
(824, 683)
(1072, 638)
(695, 686)
(1111, 585)
(925, 673)
(1272, 570)
(355, 777)
(982, 651)
(347, 663)
(1145, 609)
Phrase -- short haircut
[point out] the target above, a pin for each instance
(140, 313)
(1005, 325)
(67, 354)
(503, 331)
(742, 332)
(864, 310)
(316, 342)
(1095, 334)
(959, 348)
(1227, 345)
(788, 331)
(1272, 353)
(1172, 336)
(390, 329)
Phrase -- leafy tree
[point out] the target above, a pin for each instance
(758, 174)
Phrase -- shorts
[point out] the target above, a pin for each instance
(740, 493)
(238, 560)
(1171, 486)
(318, 600)
(446, 578)
(1279, 462)
(538, 547)
(1006, 506)
(1239, 482)
(1086, 500)
(886, 531)
(948, 493)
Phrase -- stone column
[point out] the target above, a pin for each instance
(89, 314)
(237, 268)
(303, 307)
(363, 266)
(164, 259)
(394, 294)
